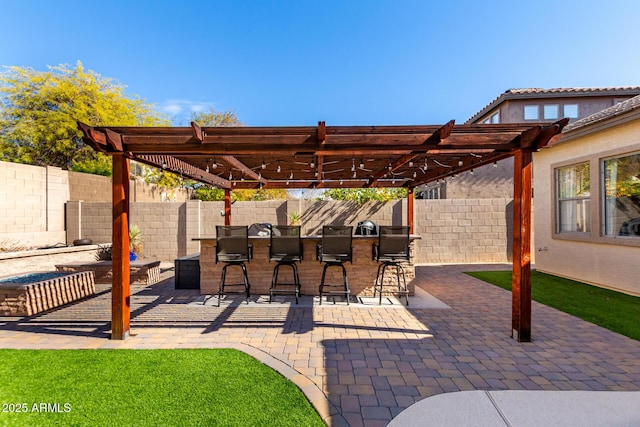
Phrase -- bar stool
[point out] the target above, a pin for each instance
(233, 248)
(285, 247)
(334, 251)
(392, 250)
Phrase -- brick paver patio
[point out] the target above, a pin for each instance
(361, 367)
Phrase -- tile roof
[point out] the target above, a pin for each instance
(555, 92)
(573, 90)
(616, 110)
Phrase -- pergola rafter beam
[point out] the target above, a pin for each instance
(246, 171)
(197, 132)
(322, 138)
(435, 139)
(180, 167)
(245, 149)
(114, 140)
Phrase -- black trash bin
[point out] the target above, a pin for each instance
(187, 272)
(367, 228)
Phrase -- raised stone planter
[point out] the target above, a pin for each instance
(19, 296)
(142, 272)
(13, 263)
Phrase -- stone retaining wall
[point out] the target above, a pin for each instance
(12, 263)
(32, 298)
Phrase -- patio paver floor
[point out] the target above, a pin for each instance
(361, 367)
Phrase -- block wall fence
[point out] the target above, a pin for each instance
(452, 231)
(47, 205)
(32, 200)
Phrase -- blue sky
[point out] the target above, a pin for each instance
(280, 63)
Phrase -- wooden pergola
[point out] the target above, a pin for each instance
(306, 157)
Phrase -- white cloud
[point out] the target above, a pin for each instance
(171, 108)
(197, 108)
(180, 107)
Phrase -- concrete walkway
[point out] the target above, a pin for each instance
(358, 365)
(524, 409)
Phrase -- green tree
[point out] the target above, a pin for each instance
(259, 195)
(362, 195)
(99, 164)
(39, 111)
(208, 193)
(213, 118)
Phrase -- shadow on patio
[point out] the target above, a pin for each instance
(369, 363)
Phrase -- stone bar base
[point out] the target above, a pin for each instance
(361, 273)
(32, 298)
(142, 272)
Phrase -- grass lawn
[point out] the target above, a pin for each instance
(615, 311)
(204, 387)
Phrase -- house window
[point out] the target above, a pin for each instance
(531, 112)
(622, 196)
(571, 111)
(551, 111)
(573, 199)
(493, 119)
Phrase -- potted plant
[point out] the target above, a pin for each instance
(294, 218)
(135, 242)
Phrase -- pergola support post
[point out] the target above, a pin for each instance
(121, 287)
(227, 206)
(410, 209)
(521, 277)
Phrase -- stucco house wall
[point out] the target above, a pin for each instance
(611, 262)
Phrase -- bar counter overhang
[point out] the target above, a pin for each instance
(361, 272)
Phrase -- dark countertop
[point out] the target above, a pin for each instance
(311, 237)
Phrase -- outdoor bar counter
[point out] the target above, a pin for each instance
(361, 273)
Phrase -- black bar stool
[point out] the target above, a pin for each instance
(391, 251)
(334, 251)
(233, 248)
(285, 247)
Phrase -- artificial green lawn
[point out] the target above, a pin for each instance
(207, 387)
(615, 311)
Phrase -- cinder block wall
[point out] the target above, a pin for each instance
(96, 188)
(463, 230)
(315, 214)
(452, 231)
(32, 201)
(163, 227)
(32, 204)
